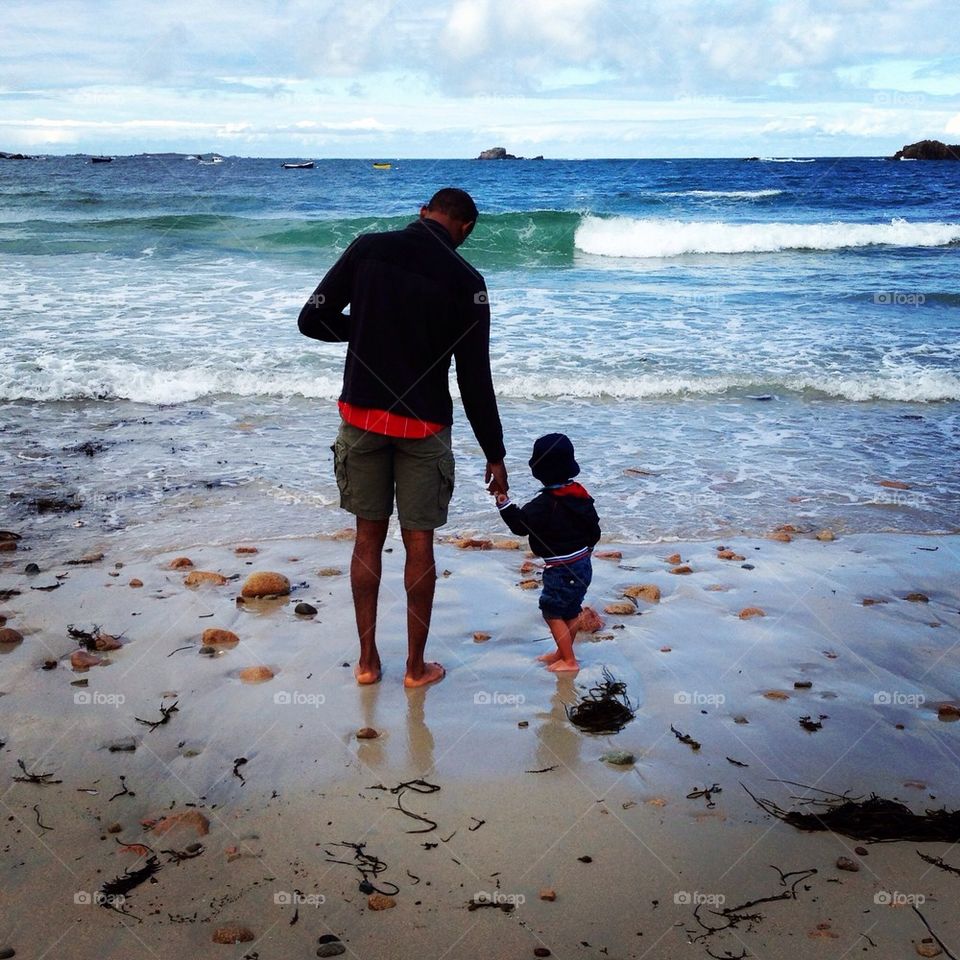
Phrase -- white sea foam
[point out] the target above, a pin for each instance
(787, 160)
(129, 380)
(724, 194)
(653, 237)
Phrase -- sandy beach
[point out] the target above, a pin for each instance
(248, 793)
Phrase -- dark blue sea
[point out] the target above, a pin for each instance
(731, 344)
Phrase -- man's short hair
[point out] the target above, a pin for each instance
(455, 203)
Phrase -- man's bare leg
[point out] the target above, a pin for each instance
(365, 571)
(419, 578)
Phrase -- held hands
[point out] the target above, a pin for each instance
(495, 477)
(501, 499)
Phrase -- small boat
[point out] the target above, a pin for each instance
(308, 165)
(210, 161)
(101, 159)
(382, 166)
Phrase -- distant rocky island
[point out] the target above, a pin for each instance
(15, 156)
(500, 153)
(928, 150)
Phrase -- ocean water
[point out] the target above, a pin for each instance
(731, 344)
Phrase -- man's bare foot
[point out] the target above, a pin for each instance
(564, 666)
(365, 677)
(551, 657)
(432, 673)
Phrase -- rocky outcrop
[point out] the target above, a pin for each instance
(15, 156)
(497, 153)
(928, 150)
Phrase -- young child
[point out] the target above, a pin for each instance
(563, 527)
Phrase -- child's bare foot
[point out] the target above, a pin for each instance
(564, 666)
(431, 673)
(551, 657)
(365, 677)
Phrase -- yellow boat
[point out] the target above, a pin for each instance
(381, 166)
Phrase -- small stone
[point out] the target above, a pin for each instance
(948, 712)
(468, 543)
(861, 851)
(7, 952)
(528, 566)
(541, 952)
(9, 636)
(917, 598)
(135, 582)
(871, 601)
(367, 733)
(666, 649)
(245, 550)
(181, 563)
(215, 636)
(682, 570)
(115, 828)
(480, 637)
(649, 592)
(506, 544)
(233, 933)
(845, 863)
(608, 555)
(802, 684)
(123, 745)
(674, 558)
(332, 949)
(183, 820)
(780, 536)
(523, 724)
(825, 536)
(305, 610)
(207, 651)
(621, 758)
(548, 894)
(729, 555)
(928, 947)
(895, 484)
(621, 608)
(8, 546)
(378, 901)
(746, 566)
(256, 674)
(197, 578)
(747, 612)
(590, 621)
(81, 660)
(328, 938)
(347, 533)
(329, 572)
(585, 859)
(31, 569)
(777, 695)
(266, 584)
(529, 584)
(49, 665)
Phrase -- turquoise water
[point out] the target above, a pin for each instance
(149, 306)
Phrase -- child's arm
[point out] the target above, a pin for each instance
(512, 515)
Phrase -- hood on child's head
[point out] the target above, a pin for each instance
(553, 460)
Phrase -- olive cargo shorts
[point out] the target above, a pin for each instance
(370, 466)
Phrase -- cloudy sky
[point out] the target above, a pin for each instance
(446, 78)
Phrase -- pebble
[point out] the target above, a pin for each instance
(506, 544)
(585, 859)
(802, 684)
(917, 598)
(243, 550)
(207, 651)
(777, 695)
(9, 636)
(123, 745)
(781, 536)
(136, 582)
(468, 543)
(845, 863)
(31, 569)
(746, 566)
(181, 563)
(197, 578)
(305, 610)
(590, 621)
(106, 642)
(367, 733)
(948, 712)
(541, 952)
(729, 555)
(233, 933)
(523, 724)
(378, 901)
(186, 819)
(644, 591)
(548, 893)
(529, 584)
(256, 674)
(81, 660)
(928, 947)
(265, 584)
(332, 949)
(329, 572)
(621, 608)
(608, 555)
(747, 612)
(682, 570)
(7, 952)
(825, 536)
(621, 758)
(115, 828)
(861, 851)
(480, 637)
(674, 558)
(215, 636)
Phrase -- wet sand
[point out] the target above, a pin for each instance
(878, 674)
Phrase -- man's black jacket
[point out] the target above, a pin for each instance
(414, 304)
(558, 522)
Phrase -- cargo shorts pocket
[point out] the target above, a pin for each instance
(447, 468)
(339, 448)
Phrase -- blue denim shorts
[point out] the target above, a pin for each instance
(564, 587)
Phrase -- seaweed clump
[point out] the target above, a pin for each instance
(605, 708)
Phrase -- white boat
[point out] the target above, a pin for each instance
(307, 165)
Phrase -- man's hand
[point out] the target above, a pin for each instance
(495, 477)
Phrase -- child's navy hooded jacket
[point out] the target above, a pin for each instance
(561, 522)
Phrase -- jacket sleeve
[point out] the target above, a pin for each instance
(513, 517)
(472, 353)
(322, 316)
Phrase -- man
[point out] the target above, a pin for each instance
(414, 304)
